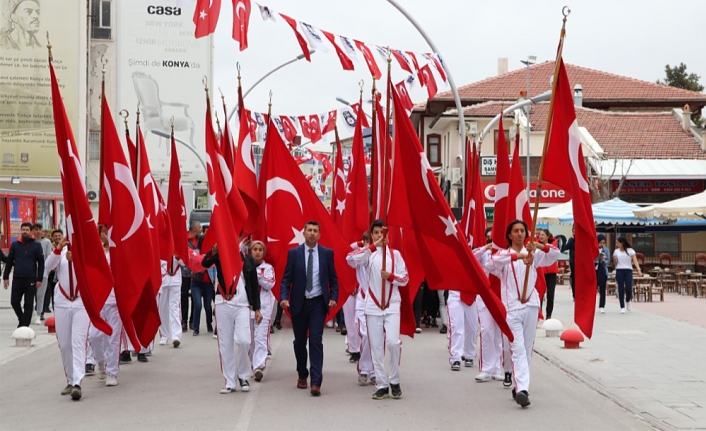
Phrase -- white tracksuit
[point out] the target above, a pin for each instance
(71, 320)
(383, 324)
(260, 334)
(463, 328)
(491, 340)
(360, 325)
(352, 334)
(521, 318)
(233, 324)
(107, 348)
(169, 300)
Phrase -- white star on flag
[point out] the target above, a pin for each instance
(202, 14)
(450, 226)
(298, 236)
(340, 206)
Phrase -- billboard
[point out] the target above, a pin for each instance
(27, 141)
(161, 65)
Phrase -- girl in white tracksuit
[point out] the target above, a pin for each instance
(510, 266)
(169, 303)
(366, 373)
(383, 313)
(234, 300)
(261, 333)
(71, 320)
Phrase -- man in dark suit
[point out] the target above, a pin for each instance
(309, 287)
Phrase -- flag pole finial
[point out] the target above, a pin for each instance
(104, 61)
(237, 66)
(124, 113)
(269, 107)
(171, 122)
(218, 122)
(361, 84)
(51, 57)
(137, 113)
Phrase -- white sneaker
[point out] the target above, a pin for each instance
(483, 377)
(499, 377)
(622, 311)
(100, 372)
(163, 341)
(111, 380)
(601, 310)
(38, 321)
(628, 305)
(362, 379)
(418, 330)
(329, 324)
(225, 391)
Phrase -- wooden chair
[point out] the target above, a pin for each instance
(668, 281)
(700, 264)
(642, 290)
(657, 290)
(611, 288)
(665, 260)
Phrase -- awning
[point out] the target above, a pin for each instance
(614, 211)
(690, 208)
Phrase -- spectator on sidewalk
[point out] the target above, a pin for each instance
(52, 279)
(27, 257)
(624, 257)
(601, 263)
(47, 248)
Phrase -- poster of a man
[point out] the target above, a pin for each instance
(21, 25)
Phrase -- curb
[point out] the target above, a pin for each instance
(41, 343)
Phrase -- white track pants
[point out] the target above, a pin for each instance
(72, 336)
(523, 323)
(107, 348)
(260, 338)
(365, 364)
(233, 324)
(169, 302)
(463, 330)
(352, 336)
(491, 342)
(384, 331)
(442, 308)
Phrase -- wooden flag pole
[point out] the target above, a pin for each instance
(373, 146)
(565, 11)
(385, 184)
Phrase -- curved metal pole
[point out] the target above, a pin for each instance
(538, 98)
(265, 76)
(457, 99)
(164, 134)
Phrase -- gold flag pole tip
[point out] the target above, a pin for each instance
(51, 57)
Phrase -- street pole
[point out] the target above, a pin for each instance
(265, 76)
(531, 59)
(164, 134)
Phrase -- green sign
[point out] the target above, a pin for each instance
(489, 214)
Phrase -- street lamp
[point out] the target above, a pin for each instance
(164, 134)
(531, 59)
(263, 77)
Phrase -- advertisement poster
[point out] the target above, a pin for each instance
(3, 232)
(61, 214)
(21, 210)
(27, 142)
(45, 213)
(161, 65)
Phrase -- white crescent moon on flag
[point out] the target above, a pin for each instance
(149, 181)
(574, 147)
(501, 191)
(225, 173)
(277, 184)
(108, 191)
(77, 163)
(238, 7)
(123, 175)
(246, 154)
(426, 167)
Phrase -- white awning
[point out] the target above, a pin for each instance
(656, 169)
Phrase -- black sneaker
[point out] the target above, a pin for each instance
(183, 327)
(514, 394)
(244, 385)
(90, 369)
(125, 357)
(443, 329)
(396, 391)
(468, 363)
(278, 326)
(196, 332)
(76, 393)
(355, 357)
(381, 393)
(456, 366)
(141, 357)
(344, 331)
(209, 328)
(522, 398)
(508, 379)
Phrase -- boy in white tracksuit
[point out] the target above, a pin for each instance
(71, 320)
(366, 372)
(106, 349)
(491, 344)
(463, 328)
(383, 311)
(233, 302)
(510, 266)
(261, 332)
(169, 302)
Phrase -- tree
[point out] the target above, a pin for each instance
(677, 77)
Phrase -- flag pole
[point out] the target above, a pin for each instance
(385, 184)
(374, 144)
(138, 158)
(102, 133)
(565, 11)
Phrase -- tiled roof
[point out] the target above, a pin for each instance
(636, 135)
(485, 109)
(599, 88)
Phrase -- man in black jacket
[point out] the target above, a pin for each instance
(27, 257)
(234, 300)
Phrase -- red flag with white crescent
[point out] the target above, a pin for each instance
(176, 207)
(241, 22)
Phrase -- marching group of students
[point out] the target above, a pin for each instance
(244, 308)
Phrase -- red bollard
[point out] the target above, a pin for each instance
(49, 323)
(571, 338)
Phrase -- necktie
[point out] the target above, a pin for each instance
(310, 271)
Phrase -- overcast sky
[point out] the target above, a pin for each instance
(630, 38)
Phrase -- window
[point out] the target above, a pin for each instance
(434, 149)
(94, 145)
(100, 27)
(495, 141)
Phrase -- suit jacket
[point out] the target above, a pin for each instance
(293, 285)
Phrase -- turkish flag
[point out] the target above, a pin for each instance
(382, 150)
(500, 207)
(357, 109)
(244, 173)
(132, 155)
(288, 203)
(206, 17)
(444, 254)
(517, 204)
(302, 42)
(306, 130)
(225, 225)
(314, 128)
(356, 215)
(565, 150)
(226, 145)
(338, 193)
(346, 61)
(290, 128)
(437, 65)
(241, 21)
(402, 59)
(426, 78)
(330, 125)
(89, 265)
(414, 59)
(404, 97)
(176, 207)
(369, 59)
(473, 221)
(323, 158)
(132, 251)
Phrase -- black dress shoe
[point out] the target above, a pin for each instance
(141, 357)
(209, 328)
(196, 332)
(344, 331)
(125, 357)
(278, 326)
